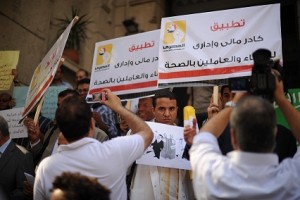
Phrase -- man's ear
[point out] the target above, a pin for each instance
(92, 128)
(233, 139)
(275, 130)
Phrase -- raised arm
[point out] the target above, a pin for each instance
(291, 115)
(136, 124)
(218, 123)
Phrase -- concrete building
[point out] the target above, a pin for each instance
(29, 26)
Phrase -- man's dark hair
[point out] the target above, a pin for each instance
(77, 187)
(84, 81)
(73, 118)
(254, 122)
(85, 72)
(223, 87)
(4, 126)
(166, 93)
(67, 92)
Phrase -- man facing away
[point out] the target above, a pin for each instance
(159, 183)
(251, 171)
(107, 161)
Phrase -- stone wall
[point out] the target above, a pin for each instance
(29, 26)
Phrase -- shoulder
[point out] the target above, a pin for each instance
(100, 135)
(64, 83)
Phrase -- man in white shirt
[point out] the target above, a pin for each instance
(251, 171)
(106, 161)
(160, 183)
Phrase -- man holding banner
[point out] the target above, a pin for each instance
(156, 183)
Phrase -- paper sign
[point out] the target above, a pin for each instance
(216, 45)
(19, 94)
(167, 147)
(126, 65)
(8, 61)
(13, 116)
(50, 102)
(45, 71)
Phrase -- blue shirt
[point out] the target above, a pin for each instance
(4, 146)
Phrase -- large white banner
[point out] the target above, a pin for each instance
(45, 71)
(216, 45)
(126, 65)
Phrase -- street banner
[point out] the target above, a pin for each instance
(216, 45)
(45, 71)
(126, 65)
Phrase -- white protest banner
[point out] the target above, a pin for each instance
(13, 116)
(126, 65)
(216, 45)
(167, 147)
(45, 71)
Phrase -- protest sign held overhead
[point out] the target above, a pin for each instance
(45, 71)
(216, 45)
(126, 65)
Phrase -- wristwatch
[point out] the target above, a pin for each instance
(230, 104)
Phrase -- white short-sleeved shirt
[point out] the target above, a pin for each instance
(107, 161)
(241, 175)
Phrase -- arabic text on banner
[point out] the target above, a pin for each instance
(13, 116)
(127, 64)
(8, 61)
(44, 73)
(216, 45)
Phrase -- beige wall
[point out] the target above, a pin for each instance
(29, 26)
(25, 29)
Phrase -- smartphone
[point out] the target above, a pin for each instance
(99, 96)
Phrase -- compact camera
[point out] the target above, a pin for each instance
(262, 82)
(99, 96)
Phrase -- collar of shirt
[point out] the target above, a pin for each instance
(253, 159)
(77, 144)
(4, 146)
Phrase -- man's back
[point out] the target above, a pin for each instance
(106, 161)
(242, 175)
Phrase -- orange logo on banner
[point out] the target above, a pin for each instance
(175, 32)
(104, 55)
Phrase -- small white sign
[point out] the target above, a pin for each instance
(167, 148)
